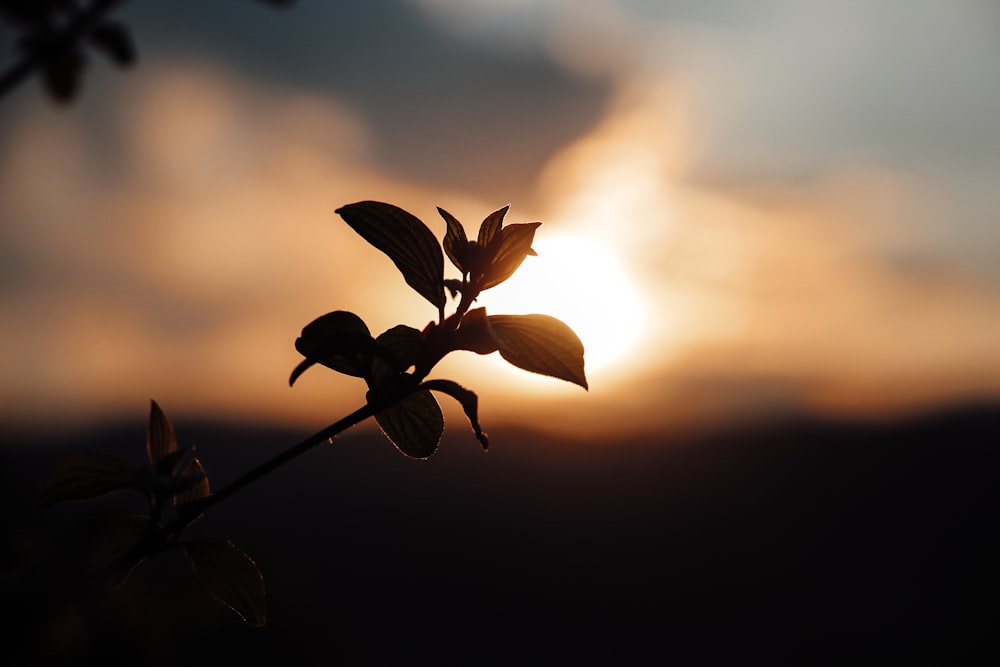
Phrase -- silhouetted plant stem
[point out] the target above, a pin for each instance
(161, 537)
(324, 435)
(198, 508)
(393, 365)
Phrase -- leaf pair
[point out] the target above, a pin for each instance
(536, 343)
(408, 415)
(496, 253)
(412, 421)
(486, 262)
(171, 474)
(228, 574)
(185, 478)
(342, 342)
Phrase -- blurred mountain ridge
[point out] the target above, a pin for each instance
(813, 541)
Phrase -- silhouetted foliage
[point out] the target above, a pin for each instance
(54, 36)
(394, 365)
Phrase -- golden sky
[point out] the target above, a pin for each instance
(764, 211)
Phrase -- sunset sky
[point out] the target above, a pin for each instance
(750, 209)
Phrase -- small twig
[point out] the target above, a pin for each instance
(200, 507)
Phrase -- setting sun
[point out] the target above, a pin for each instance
(579, 280)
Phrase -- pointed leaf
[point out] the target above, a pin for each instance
(62, 72)
(113, 544)
(491, 225)
(540, 344)
(199, 488)
(414, 425)
(455, 241)
(506, 252)
(229, 575)
(469, 401)
(86, 476)
(114, 39)
(303, 366)
(339, 340)
(406, 240)
(173, 462)
(160, 438)
(401, 343)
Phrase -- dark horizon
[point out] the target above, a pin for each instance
(810, 541)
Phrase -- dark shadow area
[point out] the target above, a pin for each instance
(799, 543)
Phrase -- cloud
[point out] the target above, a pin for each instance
(796, 92)
(180, 256)
(787, 255)
(442, 107)
(763, 298)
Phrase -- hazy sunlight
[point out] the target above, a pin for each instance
(581, 281)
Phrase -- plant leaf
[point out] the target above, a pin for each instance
(406, 240)
(540, 344)
(173, 462)
(339, 340)
(414, 424)
(114, 39)
(113, 544)
(62, 72)
(469, 402)
(455, 242)
(160, 438)
(86, 476)
(400, 342)
(301, 368)
(454, 286)
(198, 490)
(229, 575)
(491, 225)
(506, 252)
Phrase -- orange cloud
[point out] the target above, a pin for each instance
(763, 299)
(182, 262)
(179, 258)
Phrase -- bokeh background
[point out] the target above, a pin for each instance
(754, 214)
(797, 201)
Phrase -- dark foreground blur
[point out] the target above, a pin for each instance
(807, 542)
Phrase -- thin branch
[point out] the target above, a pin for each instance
(200, 507)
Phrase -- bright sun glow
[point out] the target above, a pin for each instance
(583, 283)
